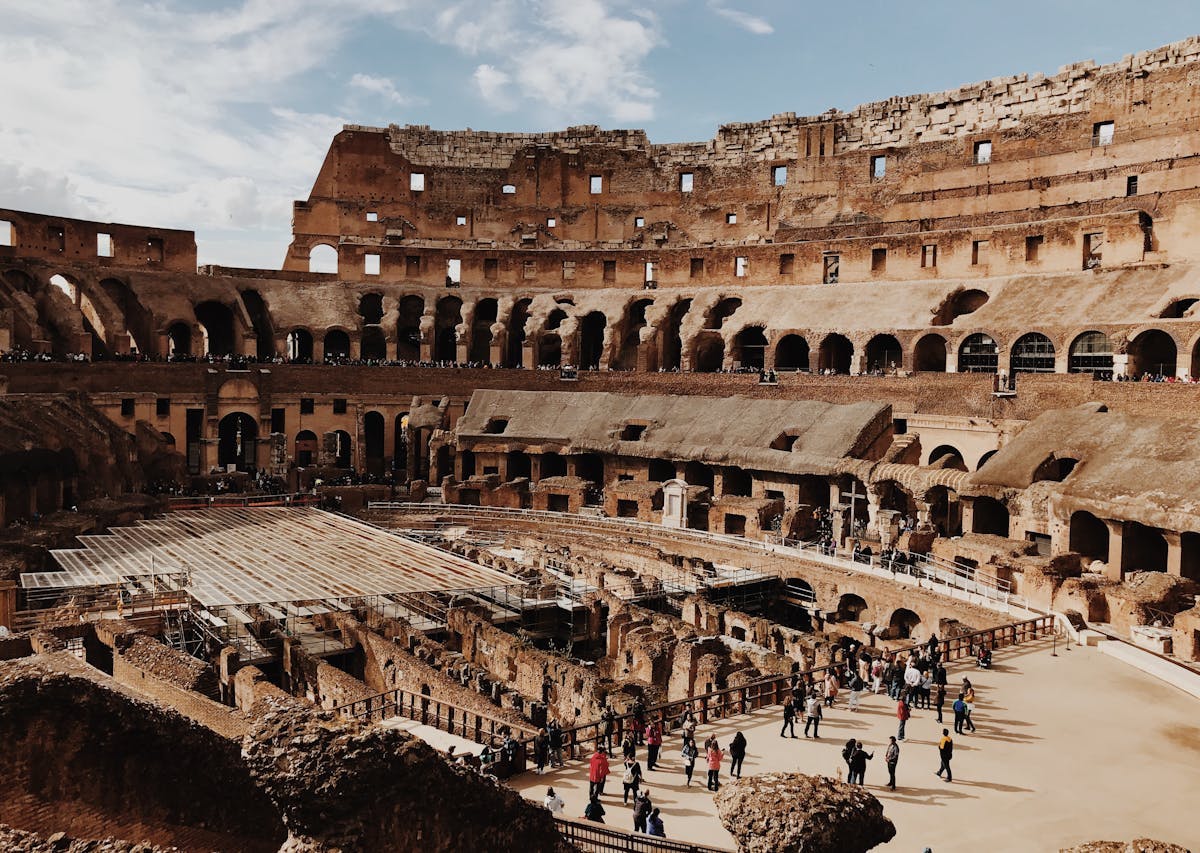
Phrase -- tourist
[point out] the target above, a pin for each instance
(892, 757)
(902, 714)
(554, 803)
(628, 747)
(960, 714)
(737, 754)
(946, 752)
(924, 691)
(631, 780)
(812, 716)
(789, 719)
(597, 772)
(654, 824)
(594, 811)
(641, 810)
(639, 724)
(637, 728)
(877, 675)
(940, 696)
(858, 764)
(848, 753)
(541, 750)
(715, 757)
(609, 722)
(689, 753)
(654, 738)
(831, 688)
(912, 678)
(856, 686)
(555, 733)
(968, 697)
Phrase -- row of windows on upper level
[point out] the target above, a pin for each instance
(1103, 133)
(1093, 242)
(106, 247)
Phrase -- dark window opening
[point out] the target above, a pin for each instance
(633, 432)
(162, 407)
(610, 270)
(787, 264)
(878, 260)
(278, 420)
(496, 426)
(307, 406)
(127, 404)
(1033, 247)
(1131, 185)
(339, 406)
(697, 269)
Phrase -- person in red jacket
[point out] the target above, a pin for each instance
(715, 757)
(902, 714)
(597, 773)
(654, 739)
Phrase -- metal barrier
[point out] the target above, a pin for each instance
(598, 838)
(239, 501)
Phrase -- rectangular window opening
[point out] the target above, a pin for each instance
(787, 264)
(278, 420)
(491, 268)
(649, 270)
(740, 264)
(416, 182)
(104, 245)
(372, 216)
(162, 407)
(154, 250)
(56, 235)
(371, 264)
(127, 404)
(1131, 188)
(551, 222)
(1092, 242)
(697, 269)
(685, 182)
(1102, 132)
(610, 270)
(779, 176)
(929, 255)
(639, 222)
(979, 250)
(509, 189)
(831, 268)
(596, 184)
(453, 270)
(633, 432)
(460, 220)
(878, 260)
(731, 219)
(568, 270)
(878, 167)
(7, 233)
(529, 270)
(1033, 247)
(983, 152)
(339, 405)
(307, 405)
(412, 266)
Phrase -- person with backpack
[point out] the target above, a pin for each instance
(903, 713)
(960, 714)
(737, 754)
(858, 764)
(689, 753)
(848, 753)
(654, 739)
(946, 752)
(641, 810)
(594, 811)
(631, 780)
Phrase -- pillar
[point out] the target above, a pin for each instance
(8, 604)
(1174, 553)
(841, 522)
(1116, 532)
(1120, 364)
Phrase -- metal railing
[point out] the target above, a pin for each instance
(231, 501)
(598, 838)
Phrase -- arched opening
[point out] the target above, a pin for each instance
(947, 456)
(737, 482)
(661, 470)
(1055, 468)
(516, 333)
(300, 346)
(260, 321)
(750, 347)
(722, 311)
(92, 322)
(549, 350)
(698, 474)
(343, 449)
(1189, 556)
(179, 341)
(1143, 549)
(710, 354)
(851, 608)
(449, 316)
(945, 513)
(929, 355)
(373, 443)
(237, 442)
(590, 467)
(1089, 536)
(979, 353)
(631, 339)
(893, 496)
(323, 258)
(791, 353)
(216, 321)
(374, 344)
(139, 322)
(1179, 308)
(591, 340)
(486, 311)
(884, 354)
(1195, 365)
(553, 465)
(1153, 352)
(903, 623)
(990, 517)
(836, 354)
(1032, 353)
(337, 345)
(519, 465)
(400, 443)
(958, 304)
(672, 352)
(984, 458)
(408, 328)
(370, 308)
(306, 447)
(1092, 353)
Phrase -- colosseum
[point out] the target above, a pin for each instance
(539, 445)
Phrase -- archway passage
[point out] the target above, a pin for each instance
(710, 354)
(1152, 352)
(1092, 353)
(519, 465)
(958, 304)
(903, 623)
(1143, 549)
(672, 344)
(884, 354)
(929, 355)
(722, 311)
(237, 442)
(836, 354)
(408, 328)
(631, 338)
(343, 449)
(549, 350)
(791, 353)
(306, 447)
(373, 443)
(323, 258)
(300, 346)
(553, 465)
(945, 513)
(370, 308)
(179, 341)
(990, 517)
(260, 320)
(591, 340)
(486, 311)
(1089, 536)
(449, 316)
(749, 347)
(337, 345)
(851, 607)
(1032, 353)
(400, 443)
(374, 344)
(947, 456)
(1055, 468)
(979, 353)
(515, 351)
(217, 321)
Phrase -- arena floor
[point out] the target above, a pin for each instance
(1069, 749)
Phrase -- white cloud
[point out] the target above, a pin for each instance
(493, 86)
(750, 23)
(381, 86)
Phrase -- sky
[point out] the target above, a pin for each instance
(214, 116)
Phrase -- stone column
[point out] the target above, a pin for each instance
(888, 525)
(8, 602)
(1174, 552)
(1116, 533)
(968, 516)
(841, 523)
(1120, 364)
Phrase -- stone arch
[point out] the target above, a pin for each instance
(724, 308)
(979, 353)
(306, 448)
(1055, 468)
(1154, 352)
(591, 340)
(446, 321)
(260, 322)
(373, 442)
(672, 354)
(374, 344)
(323, 258)
(1088, 536)
(791, 353)
(486, 312)
(216, 322)
(343, 449)
(836, 353)
(958, 304)
(851, 607)
(709, 353)
(516, 333)
(750, 347)
(336, 344)
(299, 345)
(903, 623)
(1177, 309)
(984, 458)
(1032, 353)
(884, 353)
(237, 441)
(93, 323)
(400, 443)
(370, 308)
(1143, 549)
(929, 354)
(635, 321)
(549, 350)
(945, 513)
(1091, 352)
(179, 341)
(408, 328)
(137, 320)
(990, 516)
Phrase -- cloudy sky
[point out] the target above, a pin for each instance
(216, 115)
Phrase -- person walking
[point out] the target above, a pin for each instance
(858, 764)
(689, 753)
(654, 738)
(632, 779)
(629, 747)
(940, 695)
(831, 688)
(737, 754)
(609, 721)
(960, 714)
(541, 750)
(856, 686)
(789, 719)
(715, 757)
(968, 698)
(903, 712)
(641, 810)
(554, 803)
(597, 772)
(892, 757)
(654, 824)
(847, 754)
(946, 752)
(812, 716)
(555, 732)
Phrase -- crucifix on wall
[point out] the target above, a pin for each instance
(853, 497)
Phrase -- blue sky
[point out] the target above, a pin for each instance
(214, 116)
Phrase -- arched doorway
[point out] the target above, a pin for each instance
(710, 354)
(1032, 353)
(929, 355)
(791, 353)
(836, 354)
(179, 341)
(373, 444)
(947, 456)
(903, 623)
(750, 347)
(591, 340)
(337, 345)
(979, 353)
(1152, 352)
(1089, 536)
(631, 337)
(370, 308)
(884, 354)
(300, 346)
(516, 334)
(486, 311)
(1092, 353)
(851, 608)
(990, 517)
(343, 449)
(722, 311)
(400, 443)
(216, 321)
(549, 350)
(323, 258)
(306, 447)
(408, 328)
(237, 442)
(374, 344)
(1143, 549)
(449, 316)
(672, 343)
(958, 304)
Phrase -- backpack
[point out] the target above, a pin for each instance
(629, 776)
